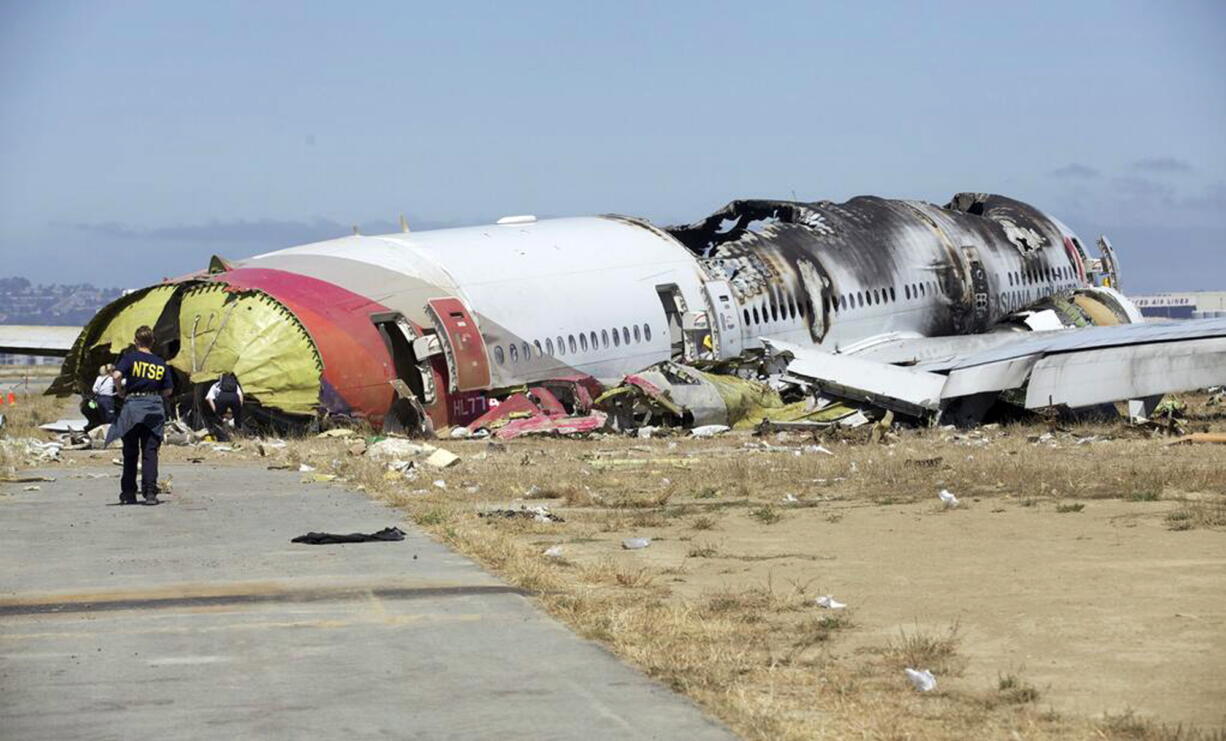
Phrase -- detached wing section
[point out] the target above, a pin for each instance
(29, 340)
(1096, 365)
(1074, 368)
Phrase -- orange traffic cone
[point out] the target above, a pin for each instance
(12, 399)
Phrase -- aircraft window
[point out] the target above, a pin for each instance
(755, 321)
(647, 332)
(859, 299)
(604, 338)
(923, 290)
(540, 352)
(617, 338)
(561, 345)
(583, 342)
(499, 356)
(549, 346)
(514, 353)
(626, 332)
(842, 302)
(893, 295)
(792, 306)
(746, 313)
(594, 345)
(571, 341)
(527, 352)
(636, 333)
(774, 311)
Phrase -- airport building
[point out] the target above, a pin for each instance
(1184, 305)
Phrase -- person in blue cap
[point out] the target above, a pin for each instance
(143, 380)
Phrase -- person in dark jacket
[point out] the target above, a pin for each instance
(225, 395)
(143, 380)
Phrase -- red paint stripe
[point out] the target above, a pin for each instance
(357, 366)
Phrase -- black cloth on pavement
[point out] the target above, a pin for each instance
(387, 533)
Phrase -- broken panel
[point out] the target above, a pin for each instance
(463, 347)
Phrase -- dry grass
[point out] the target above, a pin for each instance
(759, 655)
(1198, 514)
(31, 410)
(936, 651)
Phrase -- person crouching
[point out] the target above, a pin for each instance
(142, 380)
(225, 395)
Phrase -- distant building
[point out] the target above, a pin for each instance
(1184, 305)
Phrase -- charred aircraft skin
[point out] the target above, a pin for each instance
(419, 329)
(916, 267)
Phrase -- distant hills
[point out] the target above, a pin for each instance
(22, 302)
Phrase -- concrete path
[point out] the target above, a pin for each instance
(199, 619)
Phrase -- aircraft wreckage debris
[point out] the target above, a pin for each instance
(783, 315)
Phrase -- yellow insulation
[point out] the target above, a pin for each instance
(253, 336)
(119, 331)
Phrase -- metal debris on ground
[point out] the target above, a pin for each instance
(441, 458)
(337, 432)
(395, 448)
(921, 680)
(1200, 437)
(829, 602)
(553, 551)
(947, 497)
(535, 513)
(634, 544)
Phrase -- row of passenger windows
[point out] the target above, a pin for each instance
(774, 311)
(1039, 275)
(574, 344)
(884, 295)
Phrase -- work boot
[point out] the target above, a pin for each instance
(150, 498)
(127, 499)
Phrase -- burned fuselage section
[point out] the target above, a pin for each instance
(837, 273)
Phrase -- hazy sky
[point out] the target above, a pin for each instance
(136, 139)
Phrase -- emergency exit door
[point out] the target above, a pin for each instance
(468, 364)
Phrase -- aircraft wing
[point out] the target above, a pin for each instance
(33, 340)
(1074, 367)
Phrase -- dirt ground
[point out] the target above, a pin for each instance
(1075, 591)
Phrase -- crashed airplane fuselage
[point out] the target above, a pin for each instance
(406, 328)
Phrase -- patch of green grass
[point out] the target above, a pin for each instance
(1147, 495)
(432, 516)
(1071, 507)
(766, 514)
(1016, 691)
(1197, 514)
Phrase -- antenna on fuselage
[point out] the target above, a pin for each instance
(404, 224)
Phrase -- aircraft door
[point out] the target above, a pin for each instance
(468, 365)
(980, 309)
(724, 319)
